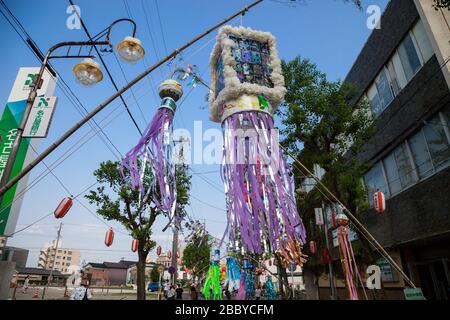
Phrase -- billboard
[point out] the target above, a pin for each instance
(9, 121)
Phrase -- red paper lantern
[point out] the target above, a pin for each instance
(158, 251)
(313, 247)
(270, 262)
(379, 202)
(63, 207)
(134, 245)
(178, 255)
(109, 237)
(169, 254)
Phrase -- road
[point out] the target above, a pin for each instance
(57, 293)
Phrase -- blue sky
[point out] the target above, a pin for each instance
(328, 32)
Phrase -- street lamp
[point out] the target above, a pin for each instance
(88, 72)
(130, 50)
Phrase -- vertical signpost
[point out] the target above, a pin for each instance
(9, 121)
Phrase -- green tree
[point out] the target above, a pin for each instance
(196, 257)
(154, 275)
(116, 200)
(324, 125)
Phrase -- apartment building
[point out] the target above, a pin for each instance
(60, 258)
(403, 70)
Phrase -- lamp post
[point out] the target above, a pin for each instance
(86, 72)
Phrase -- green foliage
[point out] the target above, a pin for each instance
(154, 275)
(197, 257)
(116, 200)
(324, 124)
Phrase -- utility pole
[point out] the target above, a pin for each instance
(174, 259)
(174, 255)
(50, 277)
(330, 263)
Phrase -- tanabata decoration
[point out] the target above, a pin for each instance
(233, 275)
(247, 87)
(223, 273)
(270, 289)
(241, 292)
(196, 233)
(155, 150)
(212, 281)
(249, 279)
(349, 265)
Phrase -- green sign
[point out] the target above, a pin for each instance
(9, 122)
(414, 294)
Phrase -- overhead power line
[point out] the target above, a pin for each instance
(83, 25)
(18, 27)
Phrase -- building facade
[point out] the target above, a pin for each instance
(108, 273)
(60, 258)
(403, 70)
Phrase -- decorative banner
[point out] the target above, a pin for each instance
(319, 216)
(40, 117)
(352, 236)
(10, 120)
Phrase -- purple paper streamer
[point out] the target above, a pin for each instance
(154, 150)
(270, 216)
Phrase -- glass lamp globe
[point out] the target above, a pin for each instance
(130, 50)
(88, 72)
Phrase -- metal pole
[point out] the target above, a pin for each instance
(34, 86)
(330, 263)
(292, 279)
(160, 285)
(174, 261)
(355, 221)
(50, 277)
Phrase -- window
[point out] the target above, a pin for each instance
(409, 57)
(412, 53)
(374, 180)
(423, 42)
(396, 73)
(69, 258)
(421, 155)
(438, 143)
(69, 252)
(392, 175)
(384, 89)
(374, 100)
(404, 166)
